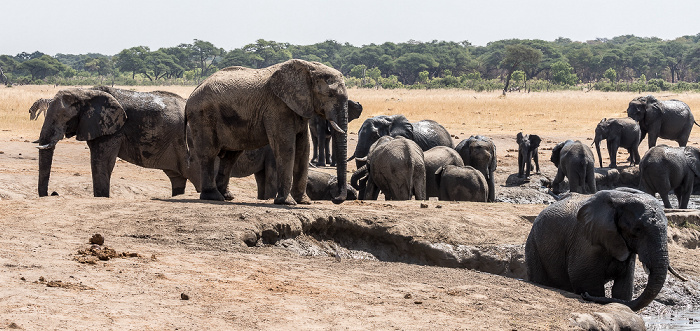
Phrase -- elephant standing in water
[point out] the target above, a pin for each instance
(580, 243)
(670, 119)
(146, 129)
(664, 168)
(619, 132)
(321, 132)
(574, 161)
(238, 109)
(480, 153)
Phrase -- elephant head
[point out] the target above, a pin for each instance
(624, 224)
(83, 113)
(692, 155)
(556, 152)
(311, 87)
(354, 110)
(639, 106)
(376, 127)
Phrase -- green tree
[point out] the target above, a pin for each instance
(516, 57)
(40, 68)
(204, 55)
(611, 75)
(132, 59)
(409, 65)
(358, 71)
(562, 73)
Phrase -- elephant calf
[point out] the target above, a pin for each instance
(480, 153)
(461, 183)
(528, 146)
(580, 243)
(664, 168)
(435, 158)
(574, 161)
(619, 132)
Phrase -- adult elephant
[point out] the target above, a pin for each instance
(395, 166)
(434, 159)
(238, 109)
(461, 183)
(480, 153)
(664, 168)
(619, 132)
(574, 161)
(146, 129)
(321, 132)
(528, 147)
(670, 119)
(580, 243)
(426, 133)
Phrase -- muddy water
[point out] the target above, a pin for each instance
(688, 320)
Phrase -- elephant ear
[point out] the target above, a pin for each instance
(556, 154)
(599, 217)
(100, 115)
(354, 110)
(692, 156)
(400, 126)
(291, 82)
(535, 141)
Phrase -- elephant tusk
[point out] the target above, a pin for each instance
(361, 159)
(336, 127)
(47, 146)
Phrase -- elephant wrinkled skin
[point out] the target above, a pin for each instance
(143, 128)
(461, 183)
(480, 153)
(664, 168)
(574, 161)
(670, 119)
(435, 158)
(619, 132)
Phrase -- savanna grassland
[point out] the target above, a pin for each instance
(186, 264)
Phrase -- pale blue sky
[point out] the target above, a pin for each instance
(107, 27)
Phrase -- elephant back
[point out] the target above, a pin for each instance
(428, 134)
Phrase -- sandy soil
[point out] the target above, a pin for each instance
(182, 263)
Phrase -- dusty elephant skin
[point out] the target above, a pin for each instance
(670, 119)
(480, 153)
(238, 109)
(619, 132)
(146, 129)
(574, 161)
(664, 168)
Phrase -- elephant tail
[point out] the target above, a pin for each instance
(696, 123)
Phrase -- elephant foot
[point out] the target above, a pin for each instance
(285, 200)
(178, 190)
(228, 196)
(612, 165)
(211, 194)
(304, 200)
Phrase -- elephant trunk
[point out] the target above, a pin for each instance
(597, 148)
(45, 160)
(356, 179)
(340, 139)
(656, 280)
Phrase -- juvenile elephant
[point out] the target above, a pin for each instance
(580, 243)
(528, 146)
(480, 153)
(321, 132)
(146, 129)
(426, 133)
(664, 168)
(238, 109)
(574, 161)
(435, 158)
(670, 119)
(619, 132)
(461, 183)
(261, 163)
(394, 165)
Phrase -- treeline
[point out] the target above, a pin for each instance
(624, 63)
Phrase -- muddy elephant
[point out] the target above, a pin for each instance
(574, 161)
(664, 168)
(480, 153)
(321, 133)
(670, 119)
(261, 163)
(619, 132)
(426, 133)
(580, 243)
(528, 147)
(461, 183)
(238, 109)
(395, 166)
(434, 159)
(143, 128)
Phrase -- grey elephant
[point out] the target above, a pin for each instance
(574, 161)
(434, 159)
(395, 166)
(461, 183)
(146, 129)
(261, 163)
(480, 153)
(664, 168)
(321, 131)
(426, 133)
(619, 132)
(528, 147)
(580, 243)
(238, 109)
(39, 106)
(670, 119)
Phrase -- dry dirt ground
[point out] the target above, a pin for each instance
(182, 263)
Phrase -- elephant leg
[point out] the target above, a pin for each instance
(103, 156)
(590, 178)
(557, 181)
(226, 164)
(623, 286)
(521, 165)
(260, 181)
(612, 152)
(328, 150)
(419, 184)
(314, 142)
(536, 158)
(371, 190)
(664, 198)
(492, 187)
(177, 182)
(652, 140)
(209, 167)
(284, 151)
(301, 170)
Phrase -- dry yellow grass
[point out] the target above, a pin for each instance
(558, 114)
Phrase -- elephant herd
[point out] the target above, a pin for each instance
(243, 121)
